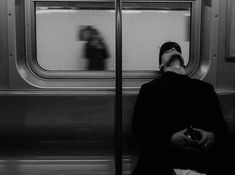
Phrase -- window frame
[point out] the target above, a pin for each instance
(36, 69)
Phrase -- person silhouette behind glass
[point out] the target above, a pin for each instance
(95, 50)
(178, 121)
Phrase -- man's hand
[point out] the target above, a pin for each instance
(182, 142)
(207, 139)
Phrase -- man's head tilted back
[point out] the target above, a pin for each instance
(169, 52)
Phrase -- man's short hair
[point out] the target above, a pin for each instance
(167, 46)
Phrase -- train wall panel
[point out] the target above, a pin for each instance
(85, 121)
(62, 125)
(4, 76)
(225, 65)
(55, 117)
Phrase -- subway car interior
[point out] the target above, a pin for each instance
(64, 113)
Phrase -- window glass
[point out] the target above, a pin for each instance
(73, 37)
(81, 36)
(144, 31)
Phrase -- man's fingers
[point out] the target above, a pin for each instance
(203, 140)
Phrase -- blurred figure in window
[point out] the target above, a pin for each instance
(178, 121)
(95, 49)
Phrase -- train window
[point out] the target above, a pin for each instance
(77, 38)
(147, 26)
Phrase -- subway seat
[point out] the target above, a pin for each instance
(62, 135)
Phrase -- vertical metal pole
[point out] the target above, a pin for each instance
(118, 102)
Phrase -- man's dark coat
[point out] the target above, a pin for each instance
(170, 104)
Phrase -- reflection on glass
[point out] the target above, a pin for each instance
(95, 48)
(75, 39)
(81, 36)
(144, 31)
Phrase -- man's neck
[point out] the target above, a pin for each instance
(175, 69)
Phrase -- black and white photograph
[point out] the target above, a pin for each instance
(117, 87)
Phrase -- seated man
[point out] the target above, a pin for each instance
(177, 120)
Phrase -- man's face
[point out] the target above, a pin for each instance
(169, 56)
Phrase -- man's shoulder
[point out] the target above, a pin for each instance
(151, 85)
(152, 82)
(160, 83)
(201, 83)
